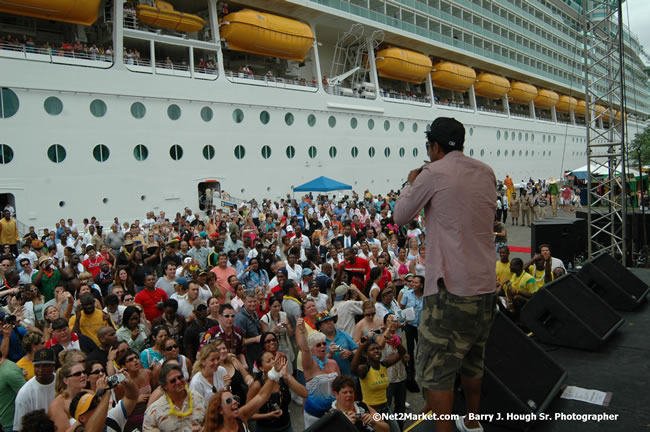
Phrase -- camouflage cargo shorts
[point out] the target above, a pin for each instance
(452, 336)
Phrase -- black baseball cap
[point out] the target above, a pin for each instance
(44, 356)
(448, 132)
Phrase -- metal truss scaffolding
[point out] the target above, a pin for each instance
(605, 121)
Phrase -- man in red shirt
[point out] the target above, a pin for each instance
(92, 262)
(356, 268)
(151, 298)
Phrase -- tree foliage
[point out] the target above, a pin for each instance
(641, 142)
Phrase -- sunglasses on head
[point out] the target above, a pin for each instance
(171, 347)
(230, 400)
(77, 374)
(97, 372)
(180, 378)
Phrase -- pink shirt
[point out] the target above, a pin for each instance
(458, 195)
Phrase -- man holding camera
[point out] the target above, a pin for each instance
(46, 278)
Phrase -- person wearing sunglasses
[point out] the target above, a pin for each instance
(171, 351)
(94, 370)
(143, 379)
(71, 378)
(180, 409)
(370, 322)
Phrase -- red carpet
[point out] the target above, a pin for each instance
(519, 249)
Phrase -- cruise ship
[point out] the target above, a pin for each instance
(112, 108)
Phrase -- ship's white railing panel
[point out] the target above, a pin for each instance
(55, 55)
(171, 69)
(271, 81)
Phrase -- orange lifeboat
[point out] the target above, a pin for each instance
(600, 110)
(566, 104)
(546, 99)
(82, 12)
(163, 15)
(581, 108)
(522, 93)
(491, 86)
(266, 34)
(403, 65)
(452, 76)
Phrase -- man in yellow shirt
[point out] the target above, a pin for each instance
(503, 265)
(88, 320)
(540, 269)
(9, 232)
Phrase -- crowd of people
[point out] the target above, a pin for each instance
(88, 51)
(214, 321)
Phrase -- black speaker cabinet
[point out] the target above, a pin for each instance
(618, 286)
(520, 379)
(332, 421)
(566, 312)
(567, 237)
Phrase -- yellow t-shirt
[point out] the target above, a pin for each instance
(538, 275)
(523, 283)
(374, 386)
(90, 324)
(503, 271)
(27, 366)
(299, 358)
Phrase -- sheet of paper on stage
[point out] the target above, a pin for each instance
(595, 397)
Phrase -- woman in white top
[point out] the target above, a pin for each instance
(276, 322)
(372, 287)
(413, 249)
(414, 231)
(208, 376)
(238, 302)
(417, 265)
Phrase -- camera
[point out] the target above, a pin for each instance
(9, 319)
(115, 380)
(275, 407)
(358, 415)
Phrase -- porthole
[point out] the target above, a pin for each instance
(56, 153)
(526, 136)
(6, 154)
(206, 114)
(415, 127)
(371, 152)
(240, 152)
(312, 152)
(105, 200)
(532, 137)
(266, 152)
(402, 152)
(288, 119)
(208, 152)
(520, 136)
(505, 153)
(143, 197)
(354, 152)
(265, 117)
(544, 153)
(61, 203)
(471, 131)
(505, 135)
(482, 152)
(549, 153)
(554, 137)
(174, 112)
(140, 152)
(176, 152)
(526, 153)
(353, 123)
(8, 103)
(513, 136)
(268, 188)
(532, 152)
(387, 152)
(371, 124)
(498, 153)
(101, 153)
(331, 121)
(471, 152)
(520, 152)
(138, 110)
(386, 125)
(512, 154)
(53, 105)
(238, 115)
(291, 152)
(401, 126)
(499, 135)
(98, 108)
(428, 127)
(311, 120)
(332, 152)
(415, 152)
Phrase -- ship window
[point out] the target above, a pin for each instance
(288, 119)
(354, 152)
(240, 152)
(101, 153)
(371, 152)
(206, 114)
(526, 152)
(526, 136)
(311, 120)
(98, 108)
(61, 203)
(238, 115)
(505, 135)
(532, 152)
(353, 123)
(291, 152)
(105, 200)
(554, 139)
(512, 154)
(387, 152)
(532, 137)
(53, 105)
(499, 135)
(331, 121)
(174, 112)
(482, 152)
(6, 154)
(471, 152)
(415, 127)
(471, 131)
(265, 117)
(498, 153)
(333, 152)
(520, 136)
(544, 153)
(138, 110)
(520, 152)
(543, 138)
(313, 151)
(513, 136)
(56, 153)
(176, 152)
(386, 125)
(8, 103)
(140, 152)
(402, 152)
(415, 152)
(266, 152)
(505, 153)
(208, 152)
(371, 124)
(401, 126)
(549, 153)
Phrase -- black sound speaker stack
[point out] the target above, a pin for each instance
(567, 237)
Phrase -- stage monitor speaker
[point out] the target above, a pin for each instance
(519, 377)
(566, 312)
(332, 421)
(567, 237)
(618, 286)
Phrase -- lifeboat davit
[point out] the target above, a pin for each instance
(566, 104)
(403, 65)
(522, 93)
(546, 99)
(452, 76)
(581, 108)
(268, 35)
(491, 86)
(163, 15)
(71, 11)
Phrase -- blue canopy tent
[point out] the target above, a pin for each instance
(322, 184)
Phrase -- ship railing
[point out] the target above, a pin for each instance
(55, 55)
(453, 104)
(515, 114)
(270, 81)
(391, 94)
